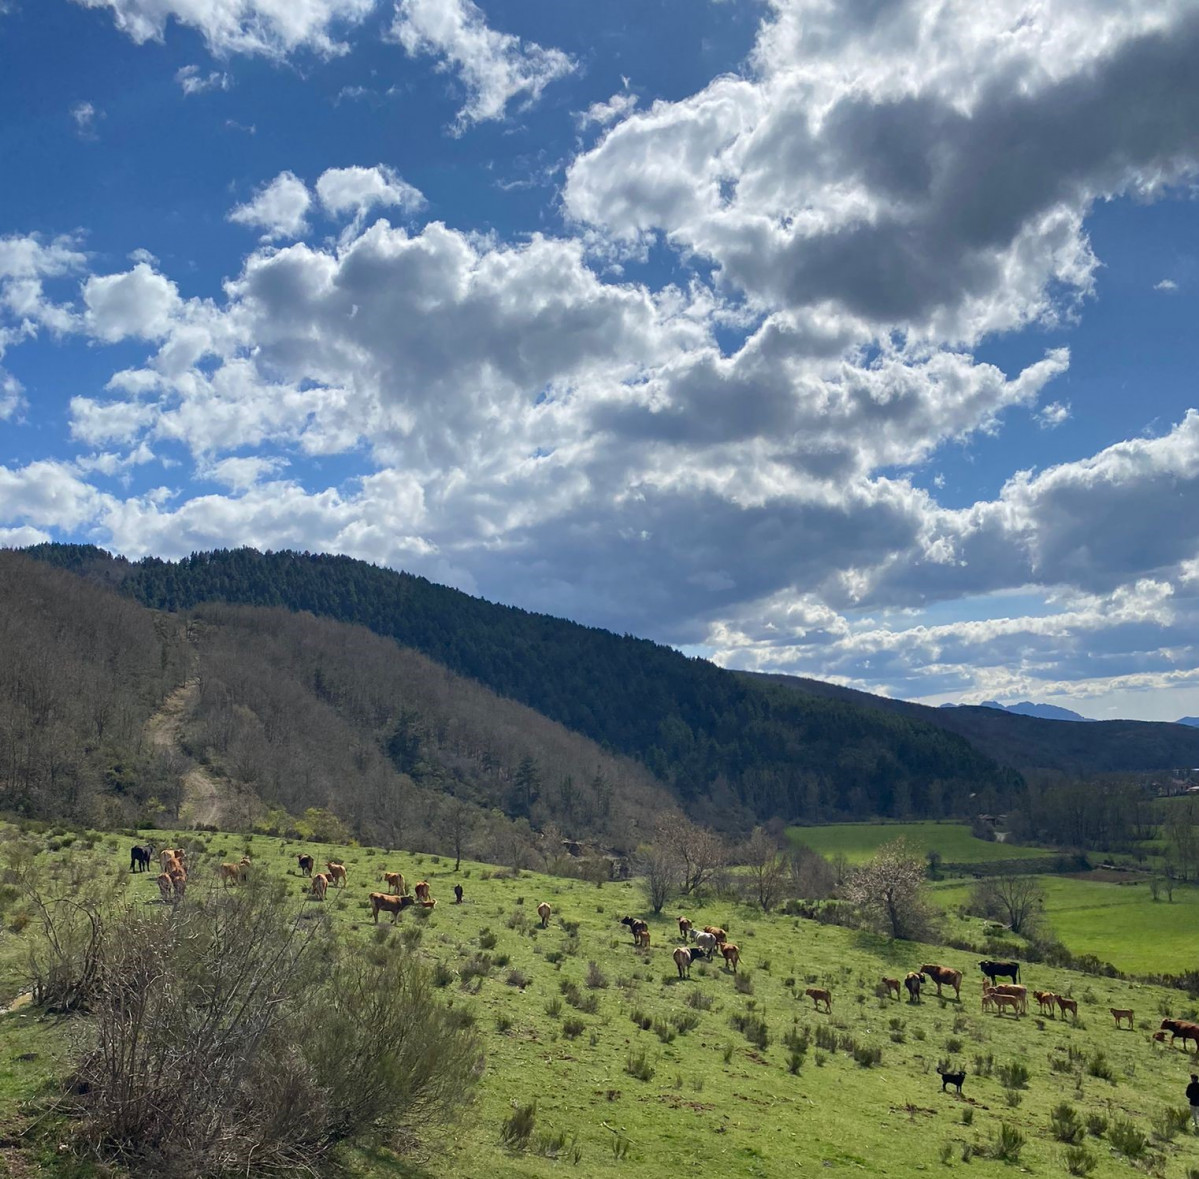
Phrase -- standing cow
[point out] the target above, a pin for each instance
(141, 856)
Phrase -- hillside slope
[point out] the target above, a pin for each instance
(1028, 742)
(732, 751)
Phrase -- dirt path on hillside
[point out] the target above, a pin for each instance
(204, 795)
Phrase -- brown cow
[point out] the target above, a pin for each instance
(731, 955)
(641, 937)
(1003, 1002)
(178, 883)
(243, 870)
(421, 888)
(1120, 1013)
(336, 872)
(395, 905)
(166, 858)
(395, 881)
(682, 959)
(912, 982)
(684, 925)
(1017, 991)
(1070, 1005)
(1184, 1028)
(819, 995)
(229, 874)
(892, 985)
(320, 884)
(165, 887)
(1047, 1000)
(718, 933)
(944, 975)
(544, 911)
(307, 863)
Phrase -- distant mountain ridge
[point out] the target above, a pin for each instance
(1044, 711)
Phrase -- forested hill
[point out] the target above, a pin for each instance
(1029, 742)
(732, 751)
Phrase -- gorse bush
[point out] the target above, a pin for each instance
(1007, 1143)
(271, 1046)
(1079, 1160)
(1127, 1139)
(1065, 1124)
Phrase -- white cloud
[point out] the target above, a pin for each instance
(241, 474)
(358, 190)
(1166, 284)
(278, 208)
(139, 303)
(273, 28)
(493, 67)
(193, 80)
(85, 116)
(1053, 414)
(601, 114)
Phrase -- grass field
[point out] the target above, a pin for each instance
(859, 841)
(713, 1100)
(1120, 923)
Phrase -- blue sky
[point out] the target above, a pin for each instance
(848, 339)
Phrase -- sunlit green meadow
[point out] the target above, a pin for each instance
(559, 1032)
(859, 841)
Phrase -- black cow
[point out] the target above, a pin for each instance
(994, 970)
(140, 857)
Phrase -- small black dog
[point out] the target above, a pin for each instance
(954, 1079)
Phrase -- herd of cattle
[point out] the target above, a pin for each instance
(698, 943)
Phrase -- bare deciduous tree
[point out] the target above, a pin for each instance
(767, 869)
(1015, 900)
(659, 873)
(890, 892)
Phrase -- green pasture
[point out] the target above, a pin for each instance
(1119, 923)
(561, 1032)
(859, 841)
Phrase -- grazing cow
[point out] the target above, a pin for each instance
(395, 905)
(718, 933)
(636, 925)
(457, 894)
(165, 886)
(544, 911)
(731, 955)
(892, 985)
(422, 890)
(320, 884)
(944, 975)
(819, 995)
(1120, 1013)
(307, 863)
(430, 904)
(705, 944)
(140, 857)
(229, 874)
(912, 982)
(1070, 1005)
(994, 970)
(1047, 1000)
(1184, 1028)
(682, 959)
(684, 926)
(954, 1079)
(395, 881)
(336, 872)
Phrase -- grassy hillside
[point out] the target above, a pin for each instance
(569, 1036)
(859, 841)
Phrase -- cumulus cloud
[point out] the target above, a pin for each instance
(494, 68)
(272, 28)
(1053, 414)
(601, 114)
(279, 208)
(1167, 284)
(138, 303)
(357, 190)
(85, 116)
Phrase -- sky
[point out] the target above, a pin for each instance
(852, 339)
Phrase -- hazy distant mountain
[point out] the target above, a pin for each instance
(1193, 721)
(1044, 711)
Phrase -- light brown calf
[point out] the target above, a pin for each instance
(544, 911)
(1005, 1002)
(819, 995)
(430, 904)
(1070, 1005)
(892, 985)
(1018, 991)
(337, 872)
(165, 886)
(395, 881)
(421, 888)
(684, 925)
(229, 874)
(641, 938)
(1047, 1000)
(1119, 1013)
(320, 884)
(731, 955)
